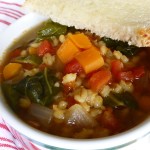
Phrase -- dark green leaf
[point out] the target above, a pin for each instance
(34, 89)
(125, 99)
(51, 29)
(48, 83)
(11, 95)
(39, 88)
(123, 47)
(113, 101)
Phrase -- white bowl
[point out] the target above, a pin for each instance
(19, 33)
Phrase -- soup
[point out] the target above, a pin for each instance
(75, 84)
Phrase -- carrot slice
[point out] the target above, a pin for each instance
(11, 70)
(80, 40)
(90, 59)
(67, 51)
(99, 79)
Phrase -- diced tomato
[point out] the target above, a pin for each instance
(131, 75)
(14, 53)
(108, 120)
(125, 75)
(99, 79)
(138, 72)
(71, 101)
(45, 47)
(116, 66)
(73, 67)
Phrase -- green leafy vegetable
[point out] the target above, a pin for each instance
(120, 99)
(39, 88)
(11, 95)
(51, 29)
(31, 59)
(123, 47)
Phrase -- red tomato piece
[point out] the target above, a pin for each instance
(15, 53)
(116, 66)
(99, 79)
(125, 75)
(131, 75)
(45, 47)
(73, 67)
(138, 72)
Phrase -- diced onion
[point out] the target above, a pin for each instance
(77, 115)
(41, 113)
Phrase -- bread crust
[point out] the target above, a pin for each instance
(120, 20)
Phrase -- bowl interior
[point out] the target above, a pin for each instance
(21, 32)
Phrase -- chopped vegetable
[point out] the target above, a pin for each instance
(99, 79)
(45, 47)
(130, 75)
(90, 60)
(12, 95)
(120, 99)
(80, 40)
(41, 113)
(11, 70)
(123, 47)
(32, 50)
(116, 66)
(73, 67)
(77, 115)
(14, 53)
(39, 88)
(67, 51)
(30, 59)
(51, 29)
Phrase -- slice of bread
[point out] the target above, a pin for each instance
(125, 20)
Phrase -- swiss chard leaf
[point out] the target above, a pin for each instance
(39, 88)
(123, 47)
(51, 29)
(34, 89)
(31, 59)
(11, 95)
(125, 99)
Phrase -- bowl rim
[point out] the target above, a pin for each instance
(24, 24)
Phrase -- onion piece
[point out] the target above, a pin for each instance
(41, 113)
(77, 115)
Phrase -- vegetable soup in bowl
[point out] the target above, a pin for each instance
(67, 88)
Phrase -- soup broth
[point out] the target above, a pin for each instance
(75, 84)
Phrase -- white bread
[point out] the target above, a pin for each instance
(125, 20)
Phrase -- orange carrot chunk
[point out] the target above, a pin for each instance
(90, 59)
(11, 70)
(67, 51)
(80, 40)
(99, 79)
